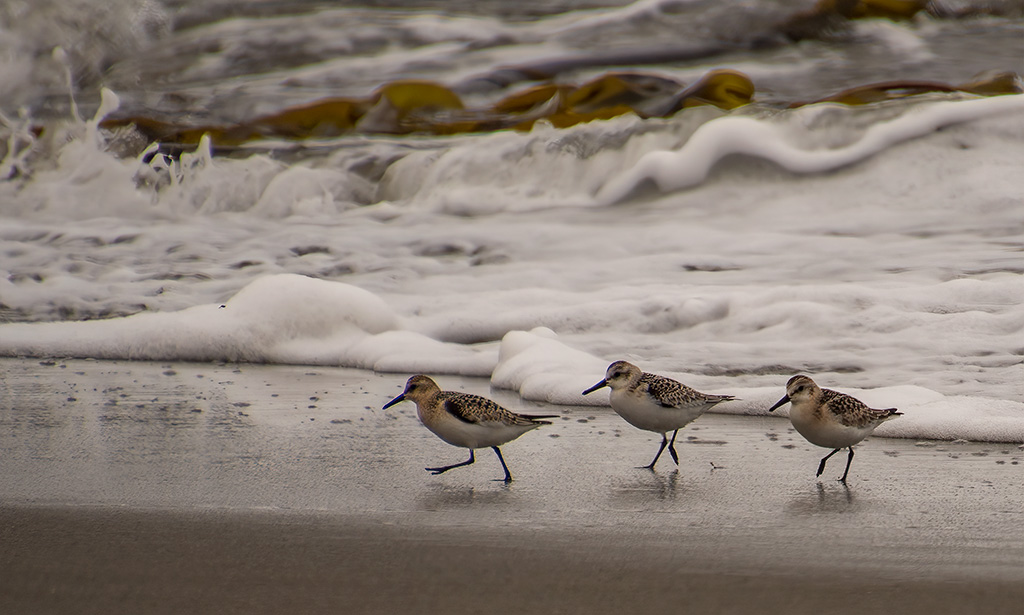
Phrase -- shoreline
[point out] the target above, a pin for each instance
(169, 488)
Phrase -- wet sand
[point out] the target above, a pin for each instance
(156, 488)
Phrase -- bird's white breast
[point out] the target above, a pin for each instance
(473, 435)
(643, 412)
(820, 430)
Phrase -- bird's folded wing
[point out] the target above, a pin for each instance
(460, 411)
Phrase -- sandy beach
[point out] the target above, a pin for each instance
(133, 487)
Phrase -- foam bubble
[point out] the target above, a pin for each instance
(540, 367)
(268, 316)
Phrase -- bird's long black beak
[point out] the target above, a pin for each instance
(781, 402)
(597, 386)
(394, 401)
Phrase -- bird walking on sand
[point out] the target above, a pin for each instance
(654, 403)
(830, 419)
(465, 420)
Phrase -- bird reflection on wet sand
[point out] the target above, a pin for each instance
(448, 497)
(645, 488)
(830, 499)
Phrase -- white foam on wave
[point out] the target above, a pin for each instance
(79, 180)
(283, 318)
(689, 166)
(540, 367)
(462, 180)
(547, 167)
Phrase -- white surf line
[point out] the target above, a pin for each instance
(689, 166)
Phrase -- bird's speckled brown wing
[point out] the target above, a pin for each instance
(672, 394)
(476, 409)
(852, 412)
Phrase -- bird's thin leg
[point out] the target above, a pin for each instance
(821, 466)
(444, 469)
(664, 443)
(849, 460)
(672, 447)
(497, 451)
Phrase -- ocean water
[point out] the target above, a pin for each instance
(878, 248)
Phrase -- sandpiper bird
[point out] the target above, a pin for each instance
(829, 418)
(465, 420)
(654, 403)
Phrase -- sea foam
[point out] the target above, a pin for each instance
(295, 319)
(689, 166)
